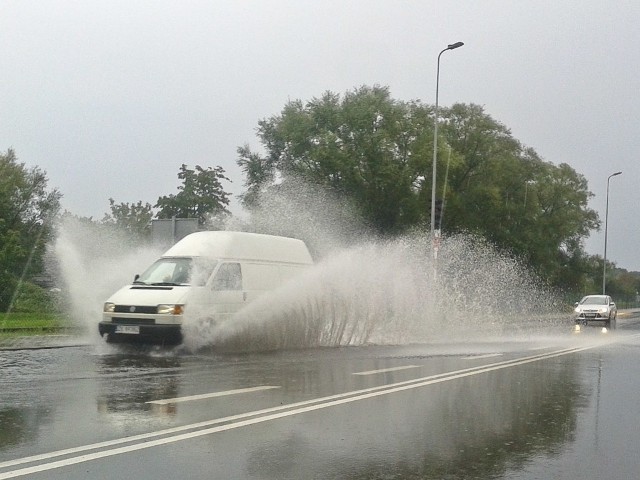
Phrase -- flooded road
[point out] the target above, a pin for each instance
(559, 407)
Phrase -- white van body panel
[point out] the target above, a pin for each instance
(242, 245)
(240, 267)
(149, 296)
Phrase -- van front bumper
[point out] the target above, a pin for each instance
(142, 332)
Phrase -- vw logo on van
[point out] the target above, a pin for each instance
(132, 309)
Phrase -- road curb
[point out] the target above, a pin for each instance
(41, 342)
(8, 348)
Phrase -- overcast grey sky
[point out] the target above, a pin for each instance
(111, 97)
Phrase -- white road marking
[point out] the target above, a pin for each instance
(211, 395)
(384, 370)
(486, 355)
(260, 416)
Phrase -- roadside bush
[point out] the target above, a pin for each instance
(34, 299)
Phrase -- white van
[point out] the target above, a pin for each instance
(208, 275)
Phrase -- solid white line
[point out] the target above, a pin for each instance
(486, 355)
(384, 370)
(211, 395)
(292, 409)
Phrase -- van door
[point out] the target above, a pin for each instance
(259, 278)
(228, 296)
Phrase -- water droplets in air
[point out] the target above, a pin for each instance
(362, 290)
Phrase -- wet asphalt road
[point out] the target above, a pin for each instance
(561, 407)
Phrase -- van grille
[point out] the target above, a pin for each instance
(136, 309)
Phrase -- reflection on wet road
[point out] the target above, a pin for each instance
(554, 407)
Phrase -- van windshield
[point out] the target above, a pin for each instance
(177, 271)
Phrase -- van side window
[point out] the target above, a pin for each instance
(228, 277)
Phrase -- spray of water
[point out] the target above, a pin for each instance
(393, 292)
(326, 222)
(93, 262)
(362, 290)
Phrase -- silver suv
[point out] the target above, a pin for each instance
(596, 308)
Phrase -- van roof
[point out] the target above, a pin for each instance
(241, 246)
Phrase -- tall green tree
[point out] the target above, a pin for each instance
(200, 196)
(364, 145)
(377, 151)
(27, 209)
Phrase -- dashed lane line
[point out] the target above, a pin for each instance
(385, 370)
(203, 396)
(486, 355)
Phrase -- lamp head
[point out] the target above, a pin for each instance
(455, 45)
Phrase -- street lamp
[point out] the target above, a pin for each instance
(606, 220)
(435, 140)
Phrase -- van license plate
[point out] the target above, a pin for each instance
(130, 329)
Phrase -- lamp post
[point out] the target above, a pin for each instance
(606, 220)
(435, 140)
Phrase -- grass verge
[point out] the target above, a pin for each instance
(22, 324)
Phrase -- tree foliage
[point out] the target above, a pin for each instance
(27, 209)
(134, 218)
(378, 151)
(507, 193)
(200, 196)
(623, 284)
(365, 145)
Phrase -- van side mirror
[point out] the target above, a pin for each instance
(137, 276)
(576, 304)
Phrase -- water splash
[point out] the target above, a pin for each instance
(93, 262)
(359, 292)
(392, 292)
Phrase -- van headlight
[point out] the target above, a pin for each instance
(171, 309)
(109, 307)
